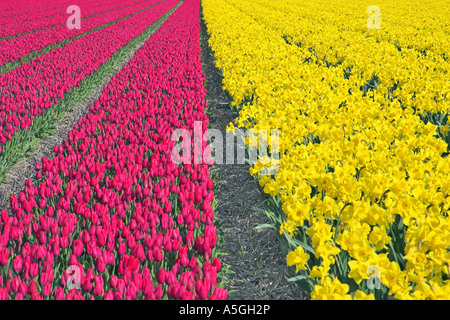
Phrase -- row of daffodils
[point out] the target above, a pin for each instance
(111, 216)
(361, 192)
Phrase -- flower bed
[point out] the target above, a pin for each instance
(16, 48)
(361, 193)
(22, 18)
(30, 89)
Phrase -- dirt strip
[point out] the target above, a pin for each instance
(255, 257)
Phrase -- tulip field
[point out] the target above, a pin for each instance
(360, 199)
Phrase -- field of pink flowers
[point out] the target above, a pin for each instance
(111, 216)
(33, 87)
(15, 48)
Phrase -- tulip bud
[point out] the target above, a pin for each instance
(23, 289)
(180, 220)
(201, 290)
(147, 287)
(59, 294)
(86, 284)
(42, 238)
(109, 295)
(100, 265)
(18, 297)
(42, 202)
(132, 290)
(113, 281)
(158, 255)
(140, 253)
(47, 290)
(158, 292)
(32, 287)
(216, 263)
(64, 242)
(86, 197)
(172, 291)
(122, 248)
(98, 289)
(117, 296)
(34, 270)
(161, 277)
(15, 283)
(17, 263)
(44, 223)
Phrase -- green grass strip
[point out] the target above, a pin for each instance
(25, 141)
(7, 67)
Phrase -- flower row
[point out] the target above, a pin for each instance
(27, 17)
(35, 86)
(18, 47)
(411, 71)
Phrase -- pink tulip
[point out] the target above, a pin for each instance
(161, 277)
(59, 294)
(98, 288)
(109, 295)
(18, 263)
(100, 265)
(47, 290)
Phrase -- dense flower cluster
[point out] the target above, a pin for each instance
(21, 16)
(112, 202)
(28, 90)
(401, 48)
(18, 47)
(363, 182)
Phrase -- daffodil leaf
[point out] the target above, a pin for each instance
(297, 278)
(264, 226)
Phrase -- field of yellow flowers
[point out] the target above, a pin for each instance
(359, 91)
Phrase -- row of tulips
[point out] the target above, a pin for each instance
(25, 11)
(32, 16)
(112, 203)
(30, 89)
(15, 48)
